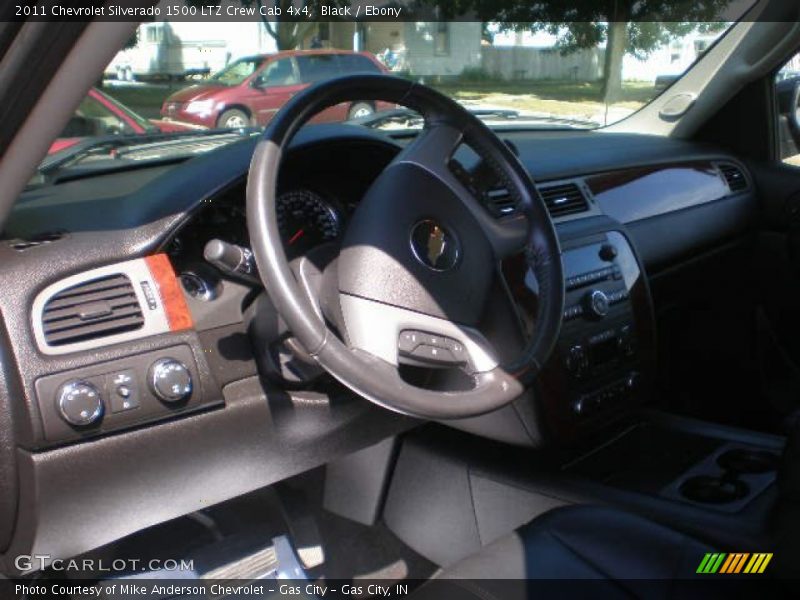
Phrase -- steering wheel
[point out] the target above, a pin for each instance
(417, 259)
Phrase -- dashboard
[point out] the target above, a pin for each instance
(216, 428)
(311, 210)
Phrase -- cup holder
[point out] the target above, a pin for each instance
(714, 490)
(745, 460)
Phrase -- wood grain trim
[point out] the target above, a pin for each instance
(604, 182)
(175, 307)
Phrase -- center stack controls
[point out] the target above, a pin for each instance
(598, 347)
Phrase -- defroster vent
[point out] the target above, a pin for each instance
(93, 309)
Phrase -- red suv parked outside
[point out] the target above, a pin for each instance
(251, 89)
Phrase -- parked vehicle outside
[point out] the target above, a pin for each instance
(100, 115)
(250, 90)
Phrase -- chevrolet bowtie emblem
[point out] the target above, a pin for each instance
(434, 246)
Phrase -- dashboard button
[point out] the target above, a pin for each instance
(124, 391)
(80, 403)
(577, 360)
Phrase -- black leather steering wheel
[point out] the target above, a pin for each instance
(417, 258)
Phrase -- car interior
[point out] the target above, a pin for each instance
(459, 353)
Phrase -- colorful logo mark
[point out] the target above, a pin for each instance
(736, 562)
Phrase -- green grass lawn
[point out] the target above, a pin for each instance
(548, 96)
(549, 89)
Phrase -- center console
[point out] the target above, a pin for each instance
(604, 356)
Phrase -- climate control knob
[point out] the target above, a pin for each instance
(79, 403)
(170, 380)
(596, 303)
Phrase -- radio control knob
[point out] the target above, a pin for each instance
(79, 403)
(170, 380)
(596, 303)
(608, 252)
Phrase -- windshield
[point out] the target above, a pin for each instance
(236, 72)
(181, 78)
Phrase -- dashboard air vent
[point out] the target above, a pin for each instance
(500, 202)
(734, 177)
(561, 199)
(93, 309)
(22, 244)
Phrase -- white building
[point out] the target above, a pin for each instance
(533, 55)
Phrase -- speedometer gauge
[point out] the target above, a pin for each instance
(305, 220)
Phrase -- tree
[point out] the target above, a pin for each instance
(287, 30)
(132, 41)
(636, 27)
(288, 34)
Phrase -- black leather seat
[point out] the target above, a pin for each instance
(576, 543)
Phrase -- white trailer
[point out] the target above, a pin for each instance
(180, 49)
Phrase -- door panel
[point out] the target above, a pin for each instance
(776, 276)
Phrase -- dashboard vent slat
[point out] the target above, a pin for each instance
(734, 177)
(561, 199)
(500, 202)
(93, 309)
(107, 295)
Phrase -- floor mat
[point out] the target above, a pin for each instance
(355, 551)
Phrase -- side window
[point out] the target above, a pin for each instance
(355, 63)
(155, 33)
(787, 92)
(278, 72)
(317, 67)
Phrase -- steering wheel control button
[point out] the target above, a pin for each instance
(170, 380)
(434, 246)
(409, 340)
(596, 303)
(430, 348)
(80, 403)
(124, 391)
